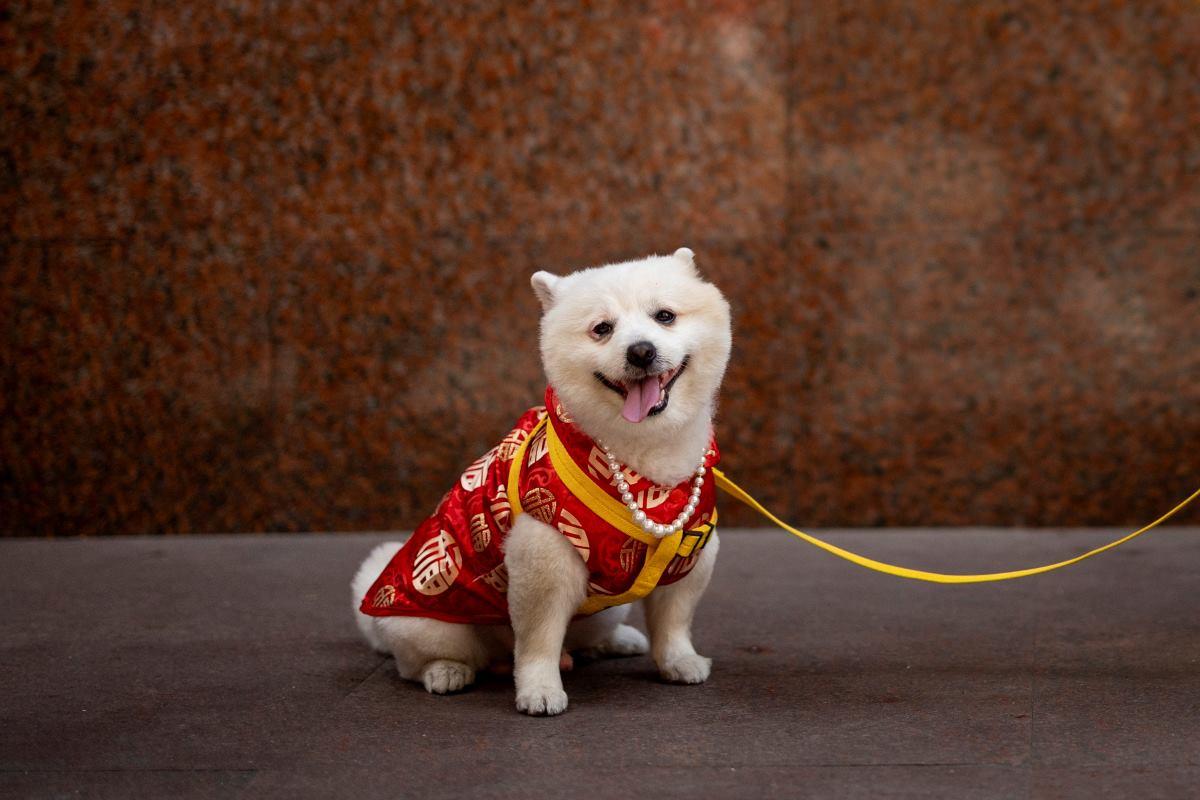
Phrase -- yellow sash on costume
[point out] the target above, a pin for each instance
(604, 505)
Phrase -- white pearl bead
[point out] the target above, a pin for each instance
(639, 516)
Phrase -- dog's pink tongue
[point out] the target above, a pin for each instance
(640, 397)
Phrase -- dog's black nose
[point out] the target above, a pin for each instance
(641, 354)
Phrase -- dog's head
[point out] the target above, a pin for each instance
(637, 348)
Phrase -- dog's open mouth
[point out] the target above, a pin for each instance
(645, 397)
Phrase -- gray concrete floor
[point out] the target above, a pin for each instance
(229, 666)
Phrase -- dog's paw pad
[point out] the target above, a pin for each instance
(541, 701)
(687, 669)
(443, 677)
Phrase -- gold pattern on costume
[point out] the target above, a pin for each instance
(497, 579)
(562, 412)
(630, 555)
(597, 464)
(384, 597)
(540, 504)
(510, 444)
(569, 525)
(481, 534)
(501, 508)
(595, 588)
(436, 565)
(537, 448)
(475, 474)
(653, 497)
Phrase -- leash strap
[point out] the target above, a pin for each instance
(742, 496)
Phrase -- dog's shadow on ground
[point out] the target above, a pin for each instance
(586, 670)
(590, 675)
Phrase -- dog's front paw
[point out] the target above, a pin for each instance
(443, 676)
(692, 668)
(541, 701)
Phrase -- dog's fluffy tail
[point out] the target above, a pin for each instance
(366, 575)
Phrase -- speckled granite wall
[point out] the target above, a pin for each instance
(264, 265)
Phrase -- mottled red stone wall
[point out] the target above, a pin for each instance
(264, 265)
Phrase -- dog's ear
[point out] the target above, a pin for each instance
(544, 284)
(686, 255)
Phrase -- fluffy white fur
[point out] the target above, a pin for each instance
(547, 580)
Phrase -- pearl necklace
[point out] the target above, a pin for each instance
(639, 515)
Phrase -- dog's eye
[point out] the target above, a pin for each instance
(602, 329)
(665, 316)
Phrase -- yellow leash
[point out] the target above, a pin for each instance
(684, 544)
(741, 495)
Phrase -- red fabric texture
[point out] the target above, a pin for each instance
(452, 568)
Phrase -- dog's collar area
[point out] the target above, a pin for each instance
(572, 454)
(661, 553)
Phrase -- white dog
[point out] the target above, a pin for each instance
(635, 353)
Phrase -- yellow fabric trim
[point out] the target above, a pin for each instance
(695, 539)
(615, 514)
(646, 580)
(599, 501)
(514, 470)
(679, 544)
(741, 495)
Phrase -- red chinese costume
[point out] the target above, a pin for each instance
(452, 568)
